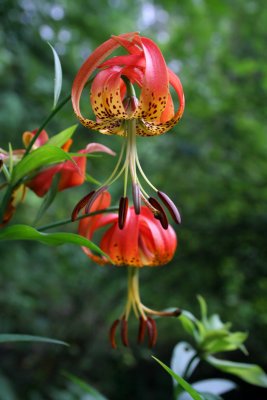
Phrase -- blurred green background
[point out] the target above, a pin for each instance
(213, 164)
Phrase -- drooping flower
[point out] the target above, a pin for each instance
(111, 101)
(119, 111)
(143, 242)
(70, 174)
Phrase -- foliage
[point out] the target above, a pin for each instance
(218, 153)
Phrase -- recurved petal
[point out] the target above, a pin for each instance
(155, 87)
(89, 66)
(98, 148)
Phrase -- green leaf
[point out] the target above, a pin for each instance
(203, 307)
(83, 385)
(25, 232)
(91, 179)
(58, 76)
(62, 137)
(7, 392)
(44, 155)
(227, 342)
(187, 324)
(250, 373)
(185, 385)
(12, 337)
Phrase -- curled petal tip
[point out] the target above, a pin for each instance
(173, 210)
(123, 208)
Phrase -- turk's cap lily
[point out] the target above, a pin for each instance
(142, 242)
(144, 66)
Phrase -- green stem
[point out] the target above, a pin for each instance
(69, 220)
(50, 116)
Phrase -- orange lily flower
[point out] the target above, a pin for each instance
(143, 242)
(118, 111)
(144, 66)
(70, 174)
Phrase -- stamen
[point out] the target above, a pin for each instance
(170, 206)
(81, 204)
(136, 198)
(124, 332)
(123, 208)
(142, 330)
(160, 215)
(152, 332)
(112, 333)
(94, 197)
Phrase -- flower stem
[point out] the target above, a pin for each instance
(50, 116)
(69, 220)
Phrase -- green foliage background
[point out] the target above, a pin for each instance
(213, 163)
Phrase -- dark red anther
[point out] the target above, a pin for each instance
(170, 206)
(82, 203)
(152, 332)
(112, 332)
(136, 198)
(123, 208)
(142, 330)
(94, 197)
(124, 332)
(160, 215)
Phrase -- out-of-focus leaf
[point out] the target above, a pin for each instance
(185, 385)
(83, 385)
(182, 355)
(58, 76)
(40, 157)
(62, 137)
(7, 391)
(228, 342)
(187, 322)
(251, 373)
(25, 232)
(12, 337)
(203, 307)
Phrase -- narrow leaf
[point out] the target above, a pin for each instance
(40, 157)
(203, 307)
(58, 76)
(25, 232)
(12, 337)
(83, 385)
(62, 137)
(185, 385)
(251, 373)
